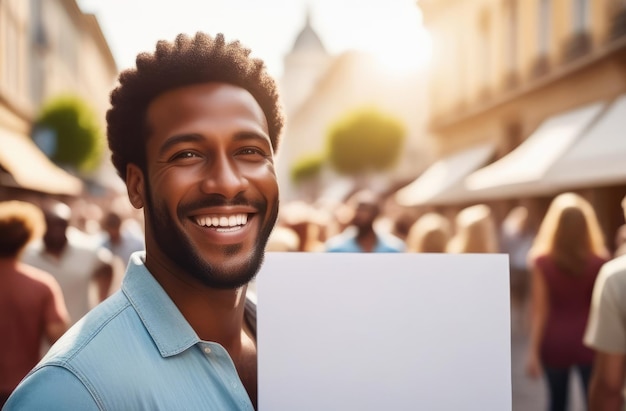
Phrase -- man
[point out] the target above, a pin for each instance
(606, 334)
(122, 241)
(32, 309)
(193, 131)
(79, 267)
(361, 236)
(118, 238)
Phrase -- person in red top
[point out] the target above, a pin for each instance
(32, 308)
(565, 259)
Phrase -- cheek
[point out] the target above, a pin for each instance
(268, 184)
(263, 174)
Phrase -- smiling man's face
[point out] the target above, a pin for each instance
(210, 192)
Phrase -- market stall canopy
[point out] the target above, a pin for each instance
(442, 182)
(599, 157)
(31, 169)
(522, 172)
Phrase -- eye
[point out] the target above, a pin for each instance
(181, 155)
(252, 151)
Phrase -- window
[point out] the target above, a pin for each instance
(545, 27)
(581, 16)
(10, 52)
(485, 49)
(511, 52)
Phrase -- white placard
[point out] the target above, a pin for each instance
(404, 331)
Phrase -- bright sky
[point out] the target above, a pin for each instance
(389, 28)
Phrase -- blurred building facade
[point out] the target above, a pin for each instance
(319, 88)
(526, 98)
(47, 48)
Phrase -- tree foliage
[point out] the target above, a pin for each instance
(74, 129)
(306, 168)
(365, 140)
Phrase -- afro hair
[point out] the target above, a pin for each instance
(184, 62)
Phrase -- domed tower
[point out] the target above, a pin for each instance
(303, 66)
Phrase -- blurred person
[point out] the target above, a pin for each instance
(85, 221)
(283, 239)
(429, 234)
(302, 219)
(193, 130)
(620, 241)
(79, 266)
(361, 235)
(475, 231)
(516, 239)
(32, 308)
(122, 239)
(119, 237)
(620, 235)
(565, 259)
(402, 223)
(606, 335)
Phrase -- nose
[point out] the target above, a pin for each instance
(224, 177)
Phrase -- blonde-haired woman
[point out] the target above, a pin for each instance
(475, 231)
(429, 234)
(565, 259)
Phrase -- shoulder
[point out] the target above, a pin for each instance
(80, 345)
(614, 272)
(391, 242)
(36, 275)
(93, 343)
(88, 252)
(540, 261)
(340, 241)
(36, 282)
(51, 388)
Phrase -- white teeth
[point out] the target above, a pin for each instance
(223, 221)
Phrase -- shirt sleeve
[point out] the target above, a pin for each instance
(606, 328)
(51, 388)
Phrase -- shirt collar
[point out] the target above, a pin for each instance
(168, 328)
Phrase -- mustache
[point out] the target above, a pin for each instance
(216, 200)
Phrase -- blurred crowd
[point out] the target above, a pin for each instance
(59, 259)
(566, 277)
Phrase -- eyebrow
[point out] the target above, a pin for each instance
(195, 138)
(179, 138)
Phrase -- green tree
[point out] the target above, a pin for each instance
(306, 168)
(67, 130)
(364, 141)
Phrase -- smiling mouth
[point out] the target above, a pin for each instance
(223, 223)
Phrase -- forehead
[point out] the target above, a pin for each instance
(213, 101)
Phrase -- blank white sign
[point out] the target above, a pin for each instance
(403, 331)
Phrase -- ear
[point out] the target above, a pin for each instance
(135, 185)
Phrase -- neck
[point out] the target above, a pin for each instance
(215, 315)
(366, 238)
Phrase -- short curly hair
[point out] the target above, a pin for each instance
(20, 223)
(184, 62)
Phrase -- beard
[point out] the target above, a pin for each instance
(176, 245)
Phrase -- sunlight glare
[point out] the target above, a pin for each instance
(395, 35)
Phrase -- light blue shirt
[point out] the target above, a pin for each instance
(346, 243)
(135, 351)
